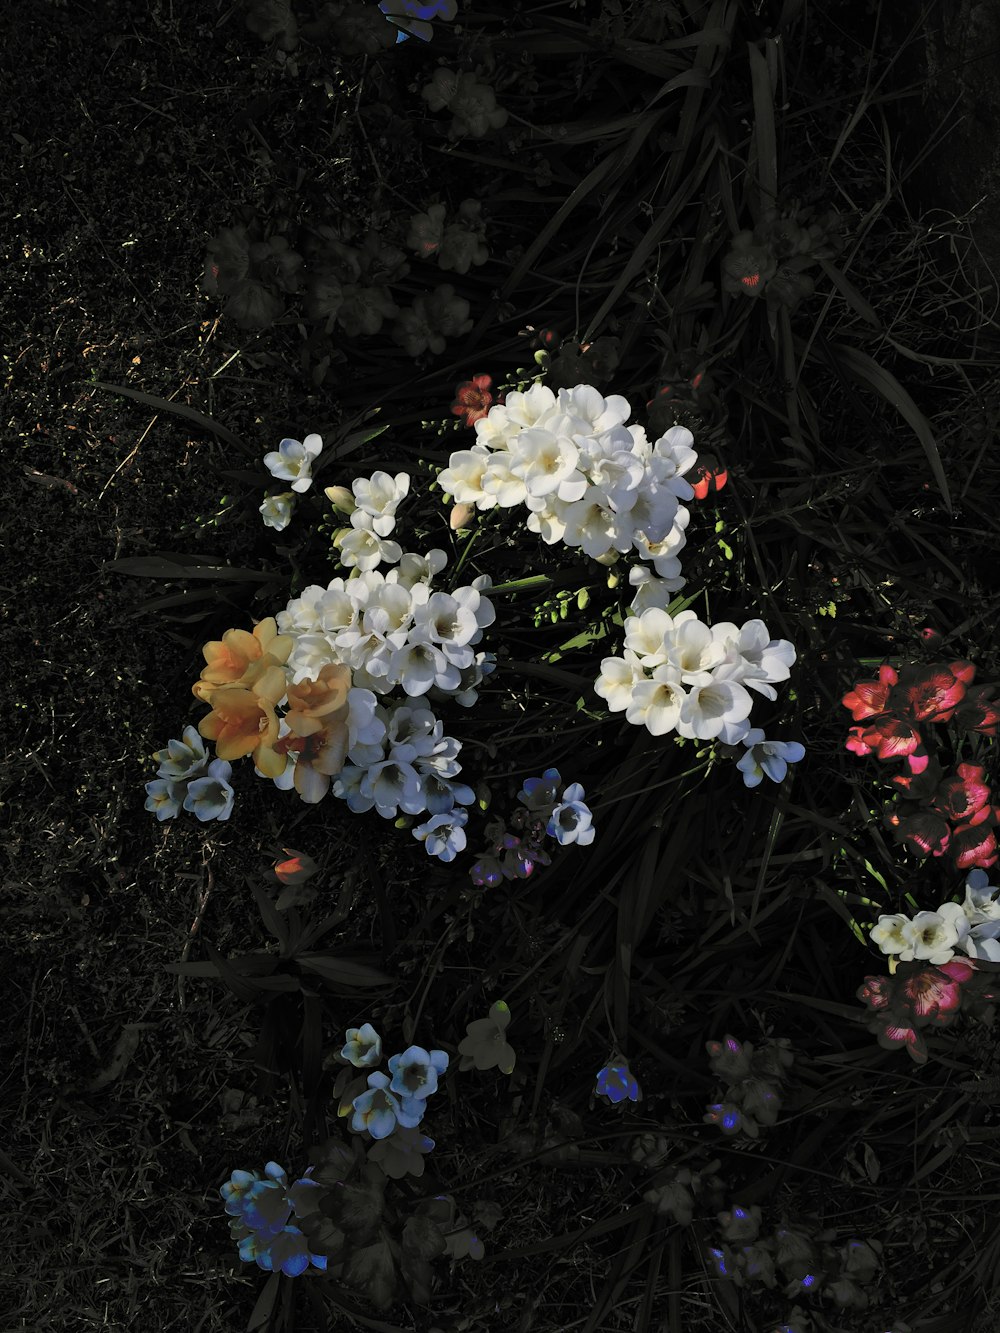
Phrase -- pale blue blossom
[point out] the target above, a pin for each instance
(186, 758)
(211, 797)
(443, 835)
(767, 757)
(571, 820)
(164, 797)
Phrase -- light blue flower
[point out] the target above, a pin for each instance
(378, 1110)
(443, 835)
(616, 1082)
(164, 798)
(261, 1208)
(211, 797)
(363, 1047)
(182, 759)
(415, 1072)
(571, 821)
(767, 757)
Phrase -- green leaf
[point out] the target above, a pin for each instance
(763, 114)
(179, 410)
(160, 566)
(373, 1270)
(260, 1317)
(343, 971)
(273, 920)
(867, 371)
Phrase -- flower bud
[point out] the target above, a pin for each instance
(341, 498)
(460, 515)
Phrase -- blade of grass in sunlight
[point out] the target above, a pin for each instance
(179, 410)
(867, 371)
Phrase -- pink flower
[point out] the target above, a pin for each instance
(473, 399)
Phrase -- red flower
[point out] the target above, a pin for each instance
(868, 697)
(711, 476)
(931, 694)
(960, 796)
(922, 778)
(935, 994)
(974, 843)
(930, 636)
(473, 399)
(892, 738)
(978, 711)
(923, 832)
(856, 742)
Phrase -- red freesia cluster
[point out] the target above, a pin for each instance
(943, 812)
(473, 399)
(920, 995)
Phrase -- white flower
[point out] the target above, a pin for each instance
(767, 757)
(300, 616)
(618, 678)
(277, 510)
(651, 591)
(980, 895)
(657, 703)
(186, 758)
(418, 664)
(571, 820)
(500, 482)
(593, 524)
(890, 933)
(671, 457)
(518, 412)
(443, 834)
(590, 412)
(366, 549)
(414, 568)
(983, 942)
(364, 726)
(447, 622)
(347, 786)
(546, 463)
(211, 797)
(931, 935)
(753, 658)
(377, 500)
(393, 786)
(650, 634)
(462, 479)
(164, 797)
(293, 461)
(708, 708)
(693, 651)
(310, 654)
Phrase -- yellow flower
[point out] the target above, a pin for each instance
(313, 700)
(243, 723)
(229, 660)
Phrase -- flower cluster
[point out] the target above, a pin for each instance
(291, 461)
(678, 674)
(186, 779)
(754, 1078)
(260, 1207)
(457, 246)
(388, 1102)
(513, 852)
(675, 1189)
(585, 478)
(972, 926)
(773, 258)
(807, 1267)
(941, 812)
(372, 509)
(616, 1083)
(916, 996)
(473, 104)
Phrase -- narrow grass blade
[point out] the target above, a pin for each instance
(179, 410)
(763, 114)
(866, 370)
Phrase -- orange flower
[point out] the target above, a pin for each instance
(229, 660)
(313, 700)
(243, 723)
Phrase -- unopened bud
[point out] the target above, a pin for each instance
(608, 558)
(341, 498)
(460, 515)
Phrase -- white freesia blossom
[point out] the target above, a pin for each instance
(753, 657)
(617, 680)
(377, 498)
(462, 479)
(932, 936)
(657, 703)
(546, 463)
(443, 835)
(293, 460)
(981, 903)
(366, 549)
(692, 650)
(502, 483)
(593, 525)
(276, 510)
(301, 616)
(709, 708)
(393, 786)
(767, 758)
(890, 933)
(414, 568)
